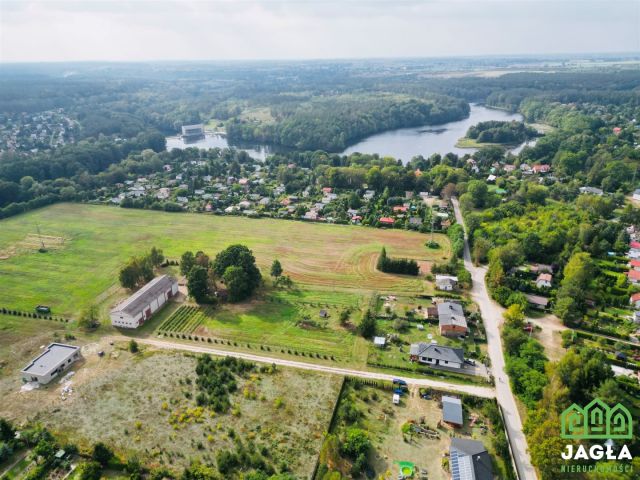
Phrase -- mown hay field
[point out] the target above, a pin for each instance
(98, 240)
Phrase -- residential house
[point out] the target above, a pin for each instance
(387, 221)
(452, 411)
(415, 221)
(509, 168)
(135, 310)
(446, 282)
(591, 191)
(636, 194)
(540, 268)
(163, 193)
(537, 301)
(369, 194)
(491, 178)
(469, 460)
(541, 168)
(50, 363)
(634, 264)
(379, 342)
(634, 276)
(451, 319)
(400, 209)
(434, 354)
(544, 280)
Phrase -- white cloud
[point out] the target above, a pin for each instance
(258, 29)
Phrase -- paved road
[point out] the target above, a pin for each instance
(492, 317)
(479, 391)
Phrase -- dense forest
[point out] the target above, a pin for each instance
(494, 131)
(333, 123)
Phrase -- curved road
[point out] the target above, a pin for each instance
(476, 390)
(492, 317)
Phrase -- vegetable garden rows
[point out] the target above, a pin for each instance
(185, 320)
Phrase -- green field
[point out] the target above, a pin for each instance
(282, 326)
(88, 244)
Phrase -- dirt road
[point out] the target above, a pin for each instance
(479, 391)
(492, 317)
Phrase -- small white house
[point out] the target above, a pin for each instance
(379, 342)
(446, 282)
(55, 359)
(139, 307)
(396, 399)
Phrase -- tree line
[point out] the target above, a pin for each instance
(404, 266)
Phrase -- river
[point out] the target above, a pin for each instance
(404, 143)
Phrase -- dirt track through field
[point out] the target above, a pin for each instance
(479, 391)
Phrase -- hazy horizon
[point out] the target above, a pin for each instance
(264, 30)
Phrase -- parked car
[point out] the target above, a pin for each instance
(43, 309)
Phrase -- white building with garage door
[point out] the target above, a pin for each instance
(138, 308)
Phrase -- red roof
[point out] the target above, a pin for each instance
(635, 245)
(634, 263)
(635, 297)
(327, 189)
(633, 275)
(399, 209)
(387, 220)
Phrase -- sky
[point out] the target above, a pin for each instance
(151, 30)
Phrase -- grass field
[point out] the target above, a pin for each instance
(288, 326)
(93, 242)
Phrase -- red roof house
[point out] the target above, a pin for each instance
(541, 168)
(634, 276)
(635, 245)
(635, 299)
(635, 263)
(387, 220)
(327, 190)
(400, 208)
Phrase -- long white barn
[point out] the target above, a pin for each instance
(138, 308)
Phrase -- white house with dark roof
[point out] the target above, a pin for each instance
(56, 358)
(135, 310)
(434, 354)
(446, 282)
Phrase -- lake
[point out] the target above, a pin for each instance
(217, 140)
(404, 143)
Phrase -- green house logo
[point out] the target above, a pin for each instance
(596, 421)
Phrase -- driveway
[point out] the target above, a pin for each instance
(479, 391)
(492, 317)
